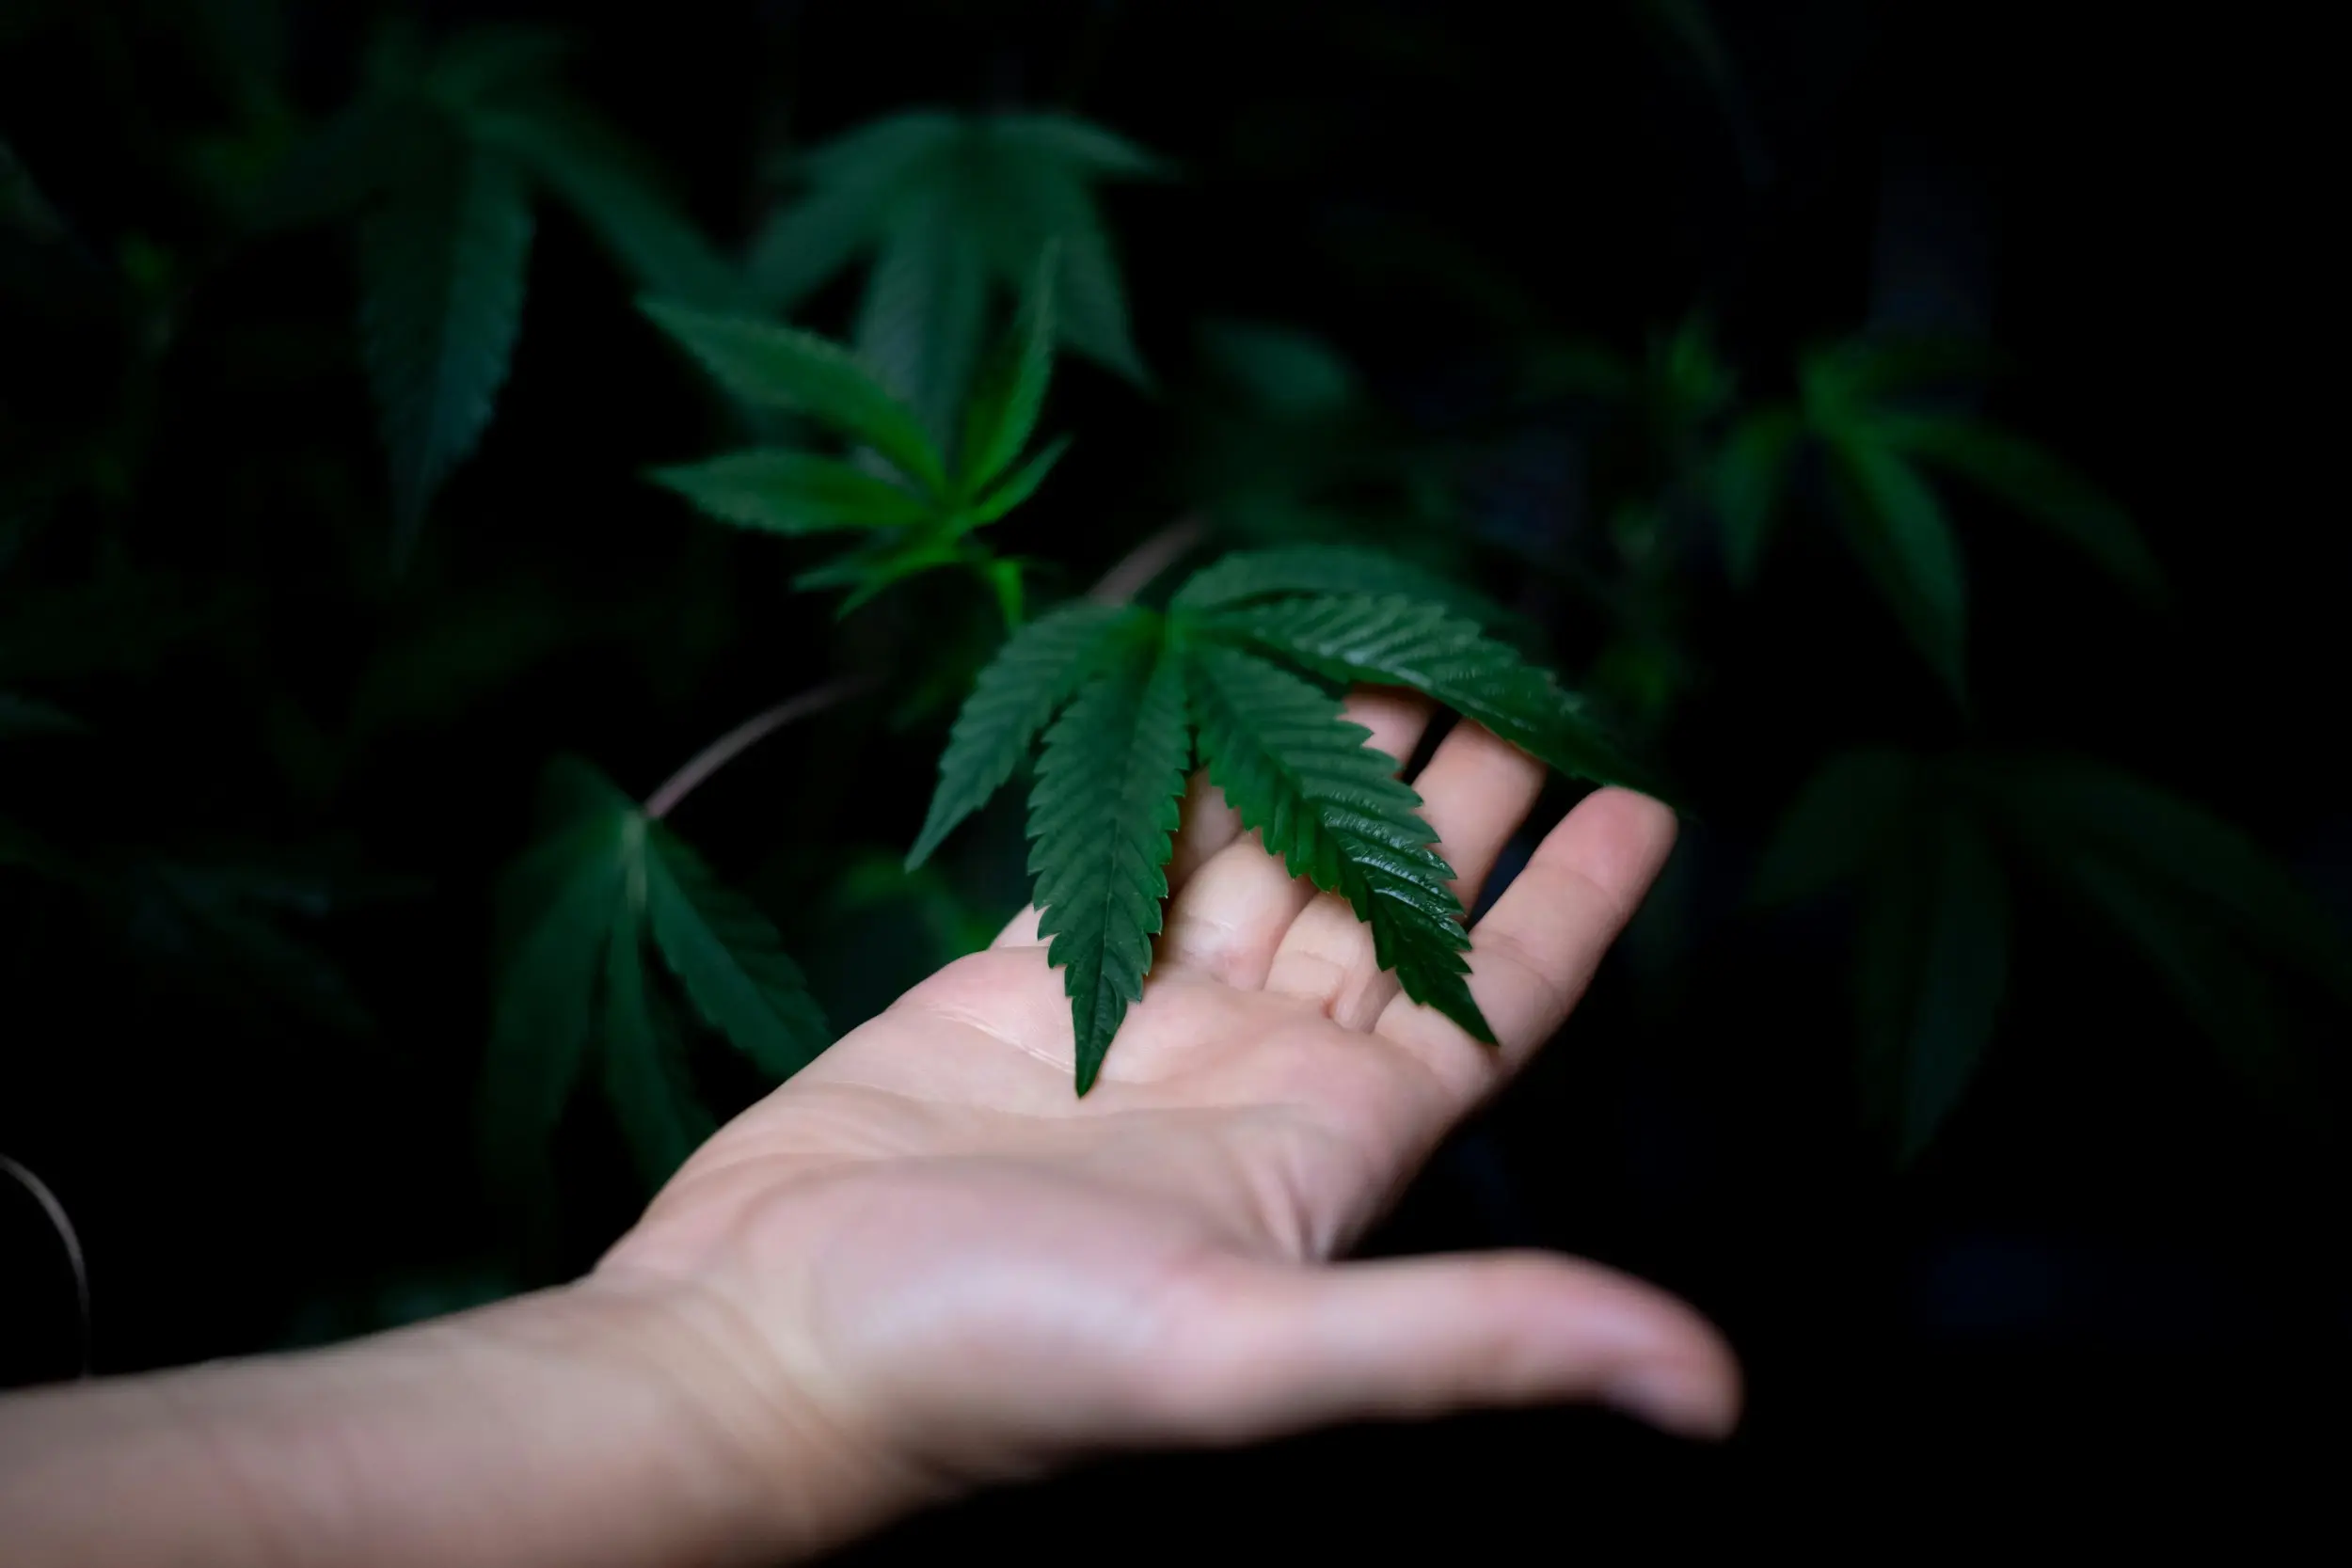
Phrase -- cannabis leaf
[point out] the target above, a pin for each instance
(1244, 670)
(1933, 849)
(1883, 457)
(949, 206)
(441, 263)
(1103, 818)
(439, 159)
(1393, 640)
(925, 514)
(1333, 809)
(581, 906)
(1037, 669)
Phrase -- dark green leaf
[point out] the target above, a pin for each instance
(561, 900)
(1108, 788)
(2229, 996)
(1837, 825)
(924, 314)
(1392, 640)
(355, 157)
(1576, 369)
(1005, 404)
(2038, 484)
(794, 492)
(1332, 807)
(1037, 669)
(855, 185)
(1932, 968)
(2082, 812)
(1289, 373)
(645, 1076)
(614, 189)
(1042, 202)
(778, 366)
(1020, 485)
(483, 62)
(1083, 144)
(1749, 478)
(729, 959)
(1899, 532)
(442, 273)
(1861, 373)
(24, 716)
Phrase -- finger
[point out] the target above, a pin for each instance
(1207, 825)
(1534, 952)
(1475, 793)
(1234, 909)
(1287, 1349)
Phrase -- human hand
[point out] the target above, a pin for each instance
(925, 1259)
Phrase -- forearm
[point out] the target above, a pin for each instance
(584, 1426)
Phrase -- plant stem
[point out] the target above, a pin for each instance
(1133, 573)
(744, 736)
(63, 1223)
(1134, 570)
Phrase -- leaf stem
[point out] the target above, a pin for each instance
(63, 1223)
(744, 736)
(1134, 570)
(1133, 573)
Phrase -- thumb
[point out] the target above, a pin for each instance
(1290, 1349)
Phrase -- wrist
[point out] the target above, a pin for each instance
(616, 1422)
(787, 1465)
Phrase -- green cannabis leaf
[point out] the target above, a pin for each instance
(1103, 818)
(1931, 850)
(1244, 670)
(441, 264)
(949, 206)
(1882, 458)
(924, 515)
(602, 882)
(438, 159)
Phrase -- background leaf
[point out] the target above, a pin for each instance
(442, 275)
(1931, 968)
(2119, 831)
(645, 1075)
(730, 959)
(1839, 824)
(616, 191)
(925, 310)
(855, 181)
(794, 492)
(1749, 478)
(1011, 393)
(1899, 532)
(2038, 484)
(798, 371)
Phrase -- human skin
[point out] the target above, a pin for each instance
(924, 1265)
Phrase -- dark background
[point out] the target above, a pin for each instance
(2111, 1262)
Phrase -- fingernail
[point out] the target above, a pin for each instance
(1674, 1398)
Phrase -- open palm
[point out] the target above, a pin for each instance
(969, 1271)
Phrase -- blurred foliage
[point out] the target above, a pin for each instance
(267, 740)
(922, 515)
(604, 878)
(944, 206)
